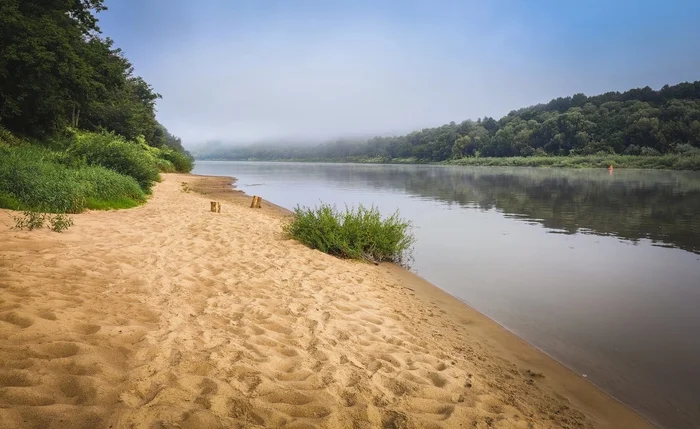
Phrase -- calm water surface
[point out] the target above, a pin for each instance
(599, 270)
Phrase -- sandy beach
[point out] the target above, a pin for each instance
(170, 316)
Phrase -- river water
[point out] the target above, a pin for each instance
(600, 270)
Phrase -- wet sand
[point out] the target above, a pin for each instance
(170, 316)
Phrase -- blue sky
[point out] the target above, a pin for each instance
(245, 71)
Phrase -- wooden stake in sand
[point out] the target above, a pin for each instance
(216, 207)
(255, 204)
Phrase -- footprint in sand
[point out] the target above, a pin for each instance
(440, 410)
(14, 379)
(81, 390)
(437, 379)
(287, 397)
(57, 350)
(16, 319)
(19, 396)
(86, 329)
(75, 368)
(47, 315)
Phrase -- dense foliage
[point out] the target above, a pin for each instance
(685, 160)
(92, 123)
(358, 233)
(636, 122)
(117, 154)
(82, 170)
(56, 71)
(35, 178)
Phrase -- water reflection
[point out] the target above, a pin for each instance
(563, 258)
(662, 206)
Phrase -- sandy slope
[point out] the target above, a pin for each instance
(169, 316)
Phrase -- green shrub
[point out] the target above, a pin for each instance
(106, 189)
(8, 139)
(30, 220)
(9, 201)
(35, 178)
(688, 160)
(59, 222)
(182, 162)
(165, 166)
(113, 152)
(358, 233)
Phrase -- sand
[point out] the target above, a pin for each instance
(169, 316)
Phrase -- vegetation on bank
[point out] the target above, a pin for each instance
(671, 161)
(80, 171)
(688, 160)
(357, 233)
(639, 122)
(77, 128)
(31, 220)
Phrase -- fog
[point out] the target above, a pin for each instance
(242, 75)
(352, 81)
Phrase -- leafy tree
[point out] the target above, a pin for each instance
(639, 121)
(56, 71)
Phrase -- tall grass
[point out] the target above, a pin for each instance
(180, 162)
(357, 233)
(115, 153)
(35, 178)
(75, 170)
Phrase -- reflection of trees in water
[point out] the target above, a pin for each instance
(662, 206)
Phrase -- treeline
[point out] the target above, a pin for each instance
(78, 128)
(636, 122)
(56, 71)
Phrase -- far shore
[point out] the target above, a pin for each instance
(672, 161)
(167, 315)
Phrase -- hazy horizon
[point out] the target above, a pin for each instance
(263, 71)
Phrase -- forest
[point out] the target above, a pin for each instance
(638, 122)
(78, 127)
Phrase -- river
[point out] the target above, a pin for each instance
(599, 270)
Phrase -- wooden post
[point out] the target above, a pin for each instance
(255, 204)
(215, 207)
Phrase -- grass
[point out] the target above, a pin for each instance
(31, 220)
(671, 161)
(59, 222)
(76, 170)
(164, 166)
(180, 162)
(356, 233)
(35, 178)
(115, 153)
(9, 201)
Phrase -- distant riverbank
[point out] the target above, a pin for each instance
(672, 161)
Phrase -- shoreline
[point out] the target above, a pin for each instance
(168, 315)
(509, 340)
(667, 162)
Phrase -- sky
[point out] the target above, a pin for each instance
(259, 70)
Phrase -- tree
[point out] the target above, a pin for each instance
(638, 121)
(42, 72)
(56, 70)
